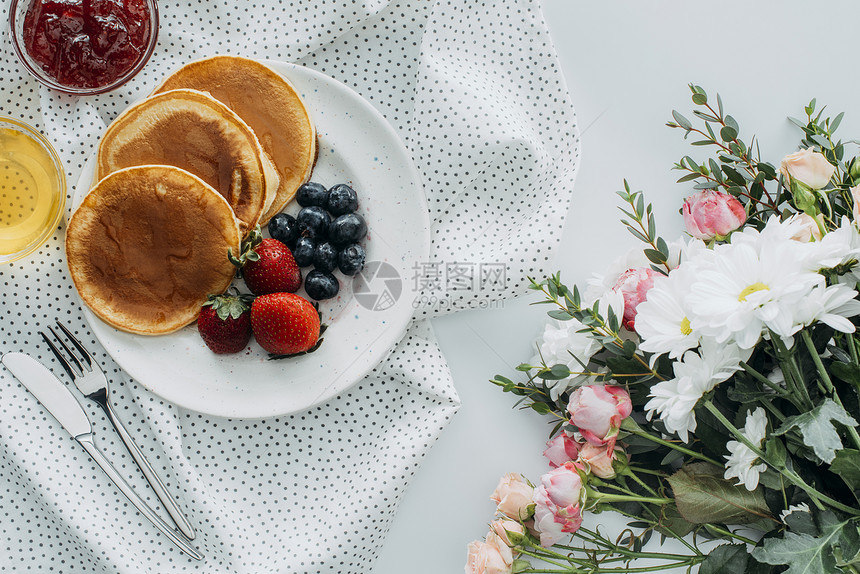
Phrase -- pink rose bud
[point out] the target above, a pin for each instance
(808, 167)
(634, 285)
(484, 558)
(598, 460)
(502, 527)
(711, 214)
(597, 410)
(513, 495)
(557, 504)
(808, 228)
(561, 449)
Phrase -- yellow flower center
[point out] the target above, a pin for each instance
(750, 289)
(685, 326)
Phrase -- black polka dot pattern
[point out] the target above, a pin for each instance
(475, 92)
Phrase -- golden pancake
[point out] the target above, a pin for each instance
(269, 104)
(195, 132)
(147, 245)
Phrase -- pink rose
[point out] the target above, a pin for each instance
(808, 167)
(634, 285)
(484, 558)
(598, 460)
(513, 495)
(557, 504)
(502, 526)
(807, 226)
(597, 410)
(561, 449)
(711, 214)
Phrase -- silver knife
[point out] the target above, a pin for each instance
(61, 403)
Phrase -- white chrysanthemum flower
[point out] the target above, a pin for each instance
(561, 343)
(837, 248)
(663, 319)
(749, 286)
(741, 460)
(830, 305)
(695, 375)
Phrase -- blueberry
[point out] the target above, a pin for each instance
(311, 193)
(284, 228)
(325, 257)
(341, 199)
(303, 253)
(319, 285)
(351, 260)
(314, 222)
(346, 229)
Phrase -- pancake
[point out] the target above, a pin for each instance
(147, 245)
(269, 104)
(195, 132)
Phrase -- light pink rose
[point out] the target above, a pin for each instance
(502, 526)
(561, 449)
(557, 504)
(484, 558)
(597, 410)
(808, 229)
(634, 285)
(598, 460)
(711, 213)
(503, 547)
(808, 167)
(513, 495)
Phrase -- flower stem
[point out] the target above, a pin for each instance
(817, 497)
(828, 384)
(607, 497)
(731, 534)
(639, 432)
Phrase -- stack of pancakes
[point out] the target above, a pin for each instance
(181, 177)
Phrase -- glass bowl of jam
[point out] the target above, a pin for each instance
(32, 189)
(83, 47)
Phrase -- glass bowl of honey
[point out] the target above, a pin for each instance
(32, 190)
(83, 47)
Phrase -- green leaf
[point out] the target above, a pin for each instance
(703, 496)
(848, 372)
(847, 466)
(728, 133)
(818, 430)
(655, 256)
(700, 99)
(807, 554)
(726, 559)
(560, 315)
(682, 121)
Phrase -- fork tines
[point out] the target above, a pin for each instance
(61, 357)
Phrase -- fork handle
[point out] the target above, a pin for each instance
(86, 441)
(151, 477)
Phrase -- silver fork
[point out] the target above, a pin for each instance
(92, 382)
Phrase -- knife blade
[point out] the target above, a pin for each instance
(65, 407)
(50, 391)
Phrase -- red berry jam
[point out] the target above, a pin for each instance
(87, 43)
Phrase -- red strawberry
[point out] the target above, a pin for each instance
(285, 324)
(268, 266)
(225, 323)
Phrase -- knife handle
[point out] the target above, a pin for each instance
(151, 477)
(86, 441)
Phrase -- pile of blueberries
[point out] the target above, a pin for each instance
(325, 233)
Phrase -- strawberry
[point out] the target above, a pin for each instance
(285, 324)
(225, 322)
(267, 265)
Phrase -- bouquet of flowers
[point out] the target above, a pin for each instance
(706, 388)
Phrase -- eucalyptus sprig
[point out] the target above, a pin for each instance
(645, 228)
(736, 170)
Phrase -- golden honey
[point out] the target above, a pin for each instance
(32, 190)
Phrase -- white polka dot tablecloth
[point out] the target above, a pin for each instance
(474, 90)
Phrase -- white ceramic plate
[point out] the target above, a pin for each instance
(370, 314)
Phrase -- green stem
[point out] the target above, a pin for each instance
(607, 497)
(817, 497)
(828, 383)
(791, 371)
(731, 534)
(639, 432)
(764, 380)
